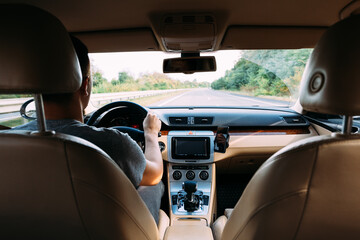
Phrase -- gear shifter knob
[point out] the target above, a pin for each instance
(189, 187)
(191, 200)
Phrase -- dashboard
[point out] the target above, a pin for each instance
(188, 136)
(255, 133)
(188, 143)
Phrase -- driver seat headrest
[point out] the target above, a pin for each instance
(36, 52)
(331, 80)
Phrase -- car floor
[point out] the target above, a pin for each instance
(229, 188)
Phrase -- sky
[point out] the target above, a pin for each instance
(138, 63)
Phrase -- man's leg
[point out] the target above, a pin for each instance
(151, 195)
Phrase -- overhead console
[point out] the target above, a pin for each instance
(188, 32)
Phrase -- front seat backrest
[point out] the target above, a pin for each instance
(63, 187)
(55, 186)
(311, 189)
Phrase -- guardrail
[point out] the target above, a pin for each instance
(102, 98)
(13, 105)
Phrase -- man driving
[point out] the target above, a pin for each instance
(64, 114)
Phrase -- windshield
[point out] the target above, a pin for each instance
(244, 78)
(247, 78)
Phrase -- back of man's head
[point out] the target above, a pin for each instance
(82, 54)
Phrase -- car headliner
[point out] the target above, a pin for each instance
(111, 25)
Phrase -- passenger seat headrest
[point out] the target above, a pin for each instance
(331, 80)
(36, 52)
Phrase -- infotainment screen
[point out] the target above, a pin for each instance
(190, 147)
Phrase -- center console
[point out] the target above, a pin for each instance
(191, 177)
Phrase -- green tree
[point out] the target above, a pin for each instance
(98, 79)
(123, 77)
(153, 81)
(259, 72)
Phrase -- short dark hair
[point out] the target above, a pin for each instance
(82, 54)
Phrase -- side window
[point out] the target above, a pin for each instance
(10, 109)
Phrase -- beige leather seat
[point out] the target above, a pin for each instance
(55, 186)
(311, 189)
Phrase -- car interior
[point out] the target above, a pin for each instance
(230, 172)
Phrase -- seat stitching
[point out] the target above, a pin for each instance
(308, 192)
(74, 192)
(116, 201)
(270, 203)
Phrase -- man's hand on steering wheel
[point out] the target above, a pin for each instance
(151, 124)
(154, 163)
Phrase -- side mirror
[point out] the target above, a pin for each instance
(28, 110)
(189, 65)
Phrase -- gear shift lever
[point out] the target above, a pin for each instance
(191, 202)
(190, 188)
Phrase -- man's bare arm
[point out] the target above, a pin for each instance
(154, 162)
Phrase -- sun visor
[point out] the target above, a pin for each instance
(265, 37)
(36, 52)
(119, 40)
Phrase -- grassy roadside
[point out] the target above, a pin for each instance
(14, 122)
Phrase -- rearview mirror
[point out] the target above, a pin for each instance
(189, 65)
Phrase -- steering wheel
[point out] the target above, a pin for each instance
(134, 133)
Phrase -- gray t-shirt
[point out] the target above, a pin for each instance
(119, 146)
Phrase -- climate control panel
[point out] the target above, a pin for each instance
(199, 174)
(190, 172)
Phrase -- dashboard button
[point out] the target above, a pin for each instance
(177, 175)
(204, 175)
(174, 199)
(190, 175)
(206, 200)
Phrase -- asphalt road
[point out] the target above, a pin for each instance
(209, 97)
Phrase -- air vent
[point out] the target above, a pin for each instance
(178, 120)
(294, 120)
(191, 120)
(203, 120)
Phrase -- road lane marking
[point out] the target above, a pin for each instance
(172, 99)
(259, 101)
